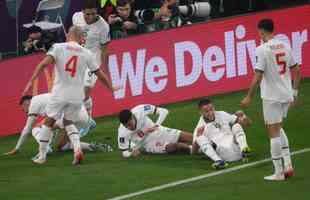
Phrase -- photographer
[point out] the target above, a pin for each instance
(189, 11)
(123, 21)
(38, 40)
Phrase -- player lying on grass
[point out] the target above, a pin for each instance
(137, 133)
(220, 135)
(35, 107)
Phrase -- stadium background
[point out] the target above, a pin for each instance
(152, 72)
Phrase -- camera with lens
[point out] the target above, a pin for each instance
(190, 9)
(145, 16)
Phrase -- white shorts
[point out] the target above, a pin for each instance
(156, 143)
(274, 112)
(228, 149)
(57, 109)
(82, 120)
(89, 79)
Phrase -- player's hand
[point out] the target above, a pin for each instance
(246, 101)
(200, 131)
(28, 86)
(243, 119)
(295, 102)
(12, 152)
(135, 153)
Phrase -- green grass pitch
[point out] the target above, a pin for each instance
(106, 175)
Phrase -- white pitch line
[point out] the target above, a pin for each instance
(197, 178)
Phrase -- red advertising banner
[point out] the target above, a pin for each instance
(169, 66)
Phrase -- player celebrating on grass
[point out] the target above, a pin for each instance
(220, 135)
(138, 133)
(35, 108)
(275, 63)
(95, 38)
(71, 61)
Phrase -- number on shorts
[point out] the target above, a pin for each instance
(71, 65)
(281, 63)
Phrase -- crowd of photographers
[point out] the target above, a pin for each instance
(128, 17)
(131, 17)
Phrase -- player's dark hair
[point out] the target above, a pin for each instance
(204, 102)
(24, 98)
(90, 4)
(266, 25)
(124, 116)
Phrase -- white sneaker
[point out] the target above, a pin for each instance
(275, 177)
(39, 161)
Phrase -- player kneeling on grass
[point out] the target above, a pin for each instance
(35, 108)
(220, 135)
(137, 133)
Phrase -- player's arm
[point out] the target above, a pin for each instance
(198, 131)
(258, 76)
(104, 40)
(295, 70)
(104, 57)
(243, 119)
(105, 80)
(162, 115)
(24, 134)
(149, 109)
(44, 63)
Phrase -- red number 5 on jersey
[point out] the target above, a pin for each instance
(71, 65)
(281, 63)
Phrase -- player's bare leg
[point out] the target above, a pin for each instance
(62, 140)
(46, 135)
(74, 137)
(240, 138)
(178, 147)
(206, 147)
(186, 137)
(276, 152)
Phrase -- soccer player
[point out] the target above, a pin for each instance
(220, 135)
(71, 61)
(35, 108)
(275, 63)
(95, 38)
(138, 133)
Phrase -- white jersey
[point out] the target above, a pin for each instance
(96, 34)
(126, 137)
(217, 129)
(71, 62)
(275, 58)
(38, 104)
